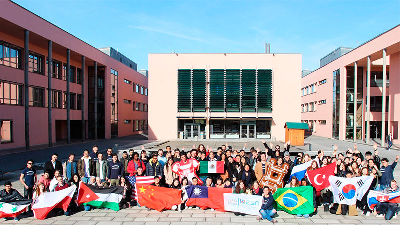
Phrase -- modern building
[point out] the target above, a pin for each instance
(119, 56)
(223, 95)
(82, 93)
(351, 97)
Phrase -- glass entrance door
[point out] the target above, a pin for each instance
(192, 130)
(247, 130)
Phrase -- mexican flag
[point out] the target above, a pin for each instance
(103, 197)
(212, 167)
(13, 208)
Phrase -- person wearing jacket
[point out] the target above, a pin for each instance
(70, 167)
(154, 167)
(168, 173)
(86, 167)
(261, 167)
(267, 210)
(10, 194)
(247, 176)
(134, 164)
(387, 172)
(125, 160)
(116, 170)
(101, 168)
(53, 165)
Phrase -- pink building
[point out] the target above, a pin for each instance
(344, 98)
(207, 96)
(83, 93)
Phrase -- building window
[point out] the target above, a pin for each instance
(308, 91)
(312, 88)
(64, 100)
(72, 77)
(322, 81)
(127, 121)
(141, 90)
(302, 92)
(146, 91)
(79, 76)
(322, 122)
(145, 107)
(306, 105)
(146, 125)
(6, 131)
(79, 102)
(322, 101)
(127, 101)
(57, 69)
(56, 99)
(137, 88)
(138, 107)
(64, 72)
(127, 81)
(376, 103)
(142, 125)
(35, 63)
(72, 100)
(137, 125)
(10, 94)
(36, 96)
(10, 55)
(312, 109)
(377, 79)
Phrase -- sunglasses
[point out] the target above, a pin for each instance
(29, 163)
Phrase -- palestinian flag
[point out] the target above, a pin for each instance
(50, 200)
(212, 167)
(13, 208)
(103, 197)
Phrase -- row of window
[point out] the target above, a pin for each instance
(11, 94)
(311, 88)
(137, 106)
(139, 125)
(137, 87)
(10, 55)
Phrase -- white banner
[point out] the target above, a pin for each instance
(243, 203)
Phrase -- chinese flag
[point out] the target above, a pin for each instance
(319, 178)
(158, 198)
(85, 194)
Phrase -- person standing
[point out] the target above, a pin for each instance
(261, 167)
(125, 160)
(70, 167)
(102, 168)
(109, 154)
(28, 178)
(86, 167)
(60, 186)
(390, 140)
(387, 172)
(116, 170)
(161, 158)
(94, 153)
(53, 165)
(154, 167)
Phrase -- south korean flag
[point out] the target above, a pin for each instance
(348, 190)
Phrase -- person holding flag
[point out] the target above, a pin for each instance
(267, 210)
(9, 194)
(389, 209)
(186, 168)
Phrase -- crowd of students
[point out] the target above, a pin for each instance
(242, 174)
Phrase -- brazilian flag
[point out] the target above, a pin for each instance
(295, 200)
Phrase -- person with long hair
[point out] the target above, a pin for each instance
(40, 189)
(267, 210)
(168, 173)
(256, 189)
(313, 166)
(247, 175)
(294, 182)
(126, 196)
(240, 188)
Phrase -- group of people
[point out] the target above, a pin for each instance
(242, 173)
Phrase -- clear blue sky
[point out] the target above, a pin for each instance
(137, 28)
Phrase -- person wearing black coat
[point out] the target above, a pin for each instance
(53, 165)
(247, 176)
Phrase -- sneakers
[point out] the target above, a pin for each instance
(274, 221)
(16, 219)
(380, 215)
(368, 213)
(299, 215)
(174, 207)
(395, 215)
(259, 218)
(5, 219)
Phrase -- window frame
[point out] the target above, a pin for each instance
(40, 64)
(18, 51)
(18, 93)
(11, 131)
(40, 102)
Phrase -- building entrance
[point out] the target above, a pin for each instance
(247, 130)
(192, 130)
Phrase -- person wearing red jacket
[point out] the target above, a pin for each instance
(134, 163)
(60, 186)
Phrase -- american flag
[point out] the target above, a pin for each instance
(140, 180)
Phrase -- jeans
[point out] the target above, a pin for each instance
(267, 213)
(390, 144)
(387, 208)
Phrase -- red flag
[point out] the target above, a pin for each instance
(158, 198)
(85, 194)
(207, 197)
(50, 200)
(319, 178)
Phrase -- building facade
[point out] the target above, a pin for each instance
(82, 93)
(357, 95)
(207, 96)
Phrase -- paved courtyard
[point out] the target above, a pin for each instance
(137, 215)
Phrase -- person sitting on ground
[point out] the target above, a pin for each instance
(267, 210)
(388, 209)
(10, 194)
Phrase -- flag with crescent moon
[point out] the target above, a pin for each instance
(319, 178)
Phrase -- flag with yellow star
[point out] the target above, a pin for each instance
(13, 208)
(158, 198)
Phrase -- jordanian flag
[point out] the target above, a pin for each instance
(295, 200)
(212, 167)
(103, 197)
(13, 208)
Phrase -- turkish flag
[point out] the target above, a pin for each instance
(158, 198)
(85, 194)
(319, 178)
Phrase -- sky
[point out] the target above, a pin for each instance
(138, 28)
